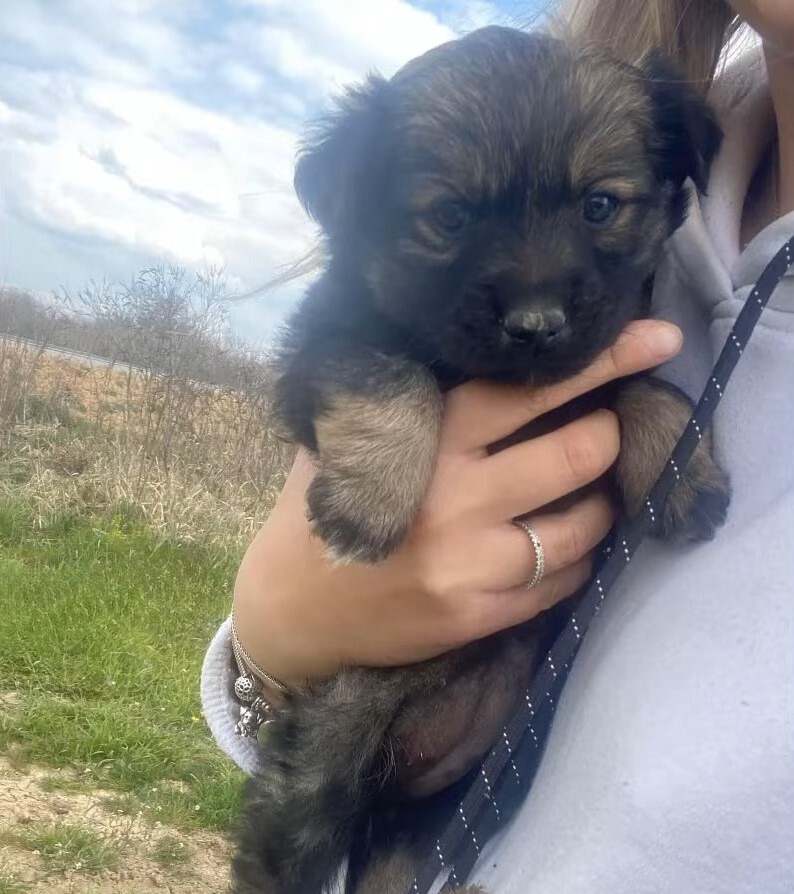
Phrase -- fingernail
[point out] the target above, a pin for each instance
(666, 339)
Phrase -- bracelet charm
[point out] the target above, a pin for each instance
(250, 689)
(245, 688)
(255, 712)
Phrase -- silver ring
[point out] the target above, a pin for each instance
(540, 558)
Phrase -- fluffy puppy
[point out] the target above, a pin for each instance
(494, 210)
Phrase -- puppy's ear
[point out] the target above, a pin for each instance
(337, 164)
(688, 135)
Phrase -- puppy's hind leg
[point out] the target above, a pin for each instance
(376, 425)
(323, 763)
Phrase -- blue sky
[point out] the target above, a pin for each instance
(133, 131)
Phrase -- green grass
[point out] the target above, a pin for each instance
(69, 847)
(67, 784)
(11, 886)
(103, 629)
(172, 854)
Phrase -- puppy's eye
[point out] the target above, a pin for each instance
(450, 217)
(600, 207)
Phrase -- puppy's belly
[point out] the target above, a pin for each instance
(440, 735)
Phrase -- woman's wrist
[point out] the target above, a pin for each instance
(261, 613)
(274, 604)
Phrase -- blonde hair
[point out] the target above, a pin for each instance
(694, 33)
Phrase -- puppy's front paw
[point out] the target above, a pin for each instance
(354, 519)
(698, 504)
(653, 414)
(375, 457)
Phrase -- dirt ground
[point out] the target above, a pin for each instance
(24, 804)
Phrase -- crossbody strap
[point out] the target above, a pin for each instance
(507, 772)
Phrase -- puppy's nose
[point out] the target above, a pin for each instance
(544, 327)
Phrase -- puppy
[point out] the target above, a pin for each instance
(494, 210)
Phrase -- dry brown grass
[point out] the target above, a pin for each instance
(193, 460)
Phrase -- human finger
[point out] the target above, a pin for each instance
(564, 538)
(534, 473)
(480, 413)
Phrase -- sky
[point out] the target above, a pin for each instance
(134, 132)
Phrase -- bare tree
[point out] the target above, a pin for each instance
(23, 315)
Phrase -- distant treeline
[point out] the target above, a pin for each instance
(165, 321)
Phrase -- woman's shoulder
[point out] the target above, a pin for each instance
(743, 71)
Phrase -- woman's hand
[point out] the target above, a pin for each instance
(459, 575)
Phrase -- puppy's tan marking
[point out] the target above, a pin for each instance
(627, 189)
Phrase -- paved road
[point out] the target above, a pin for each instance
(69, 354)
(98, 362)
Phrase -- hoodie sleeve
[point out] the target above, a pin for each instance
(221, 708)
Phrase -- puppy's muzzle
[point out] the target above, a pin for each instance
(544, 327)
(532, 315)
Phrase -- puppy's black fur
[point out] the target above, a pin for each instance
(495, 210)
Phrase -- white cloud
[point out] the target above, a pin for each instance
(242, 77)
(355, 35)
(150, 171)
(140, 130)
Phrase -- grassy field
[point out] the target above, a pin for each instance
(124, 509)
(103, 629)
